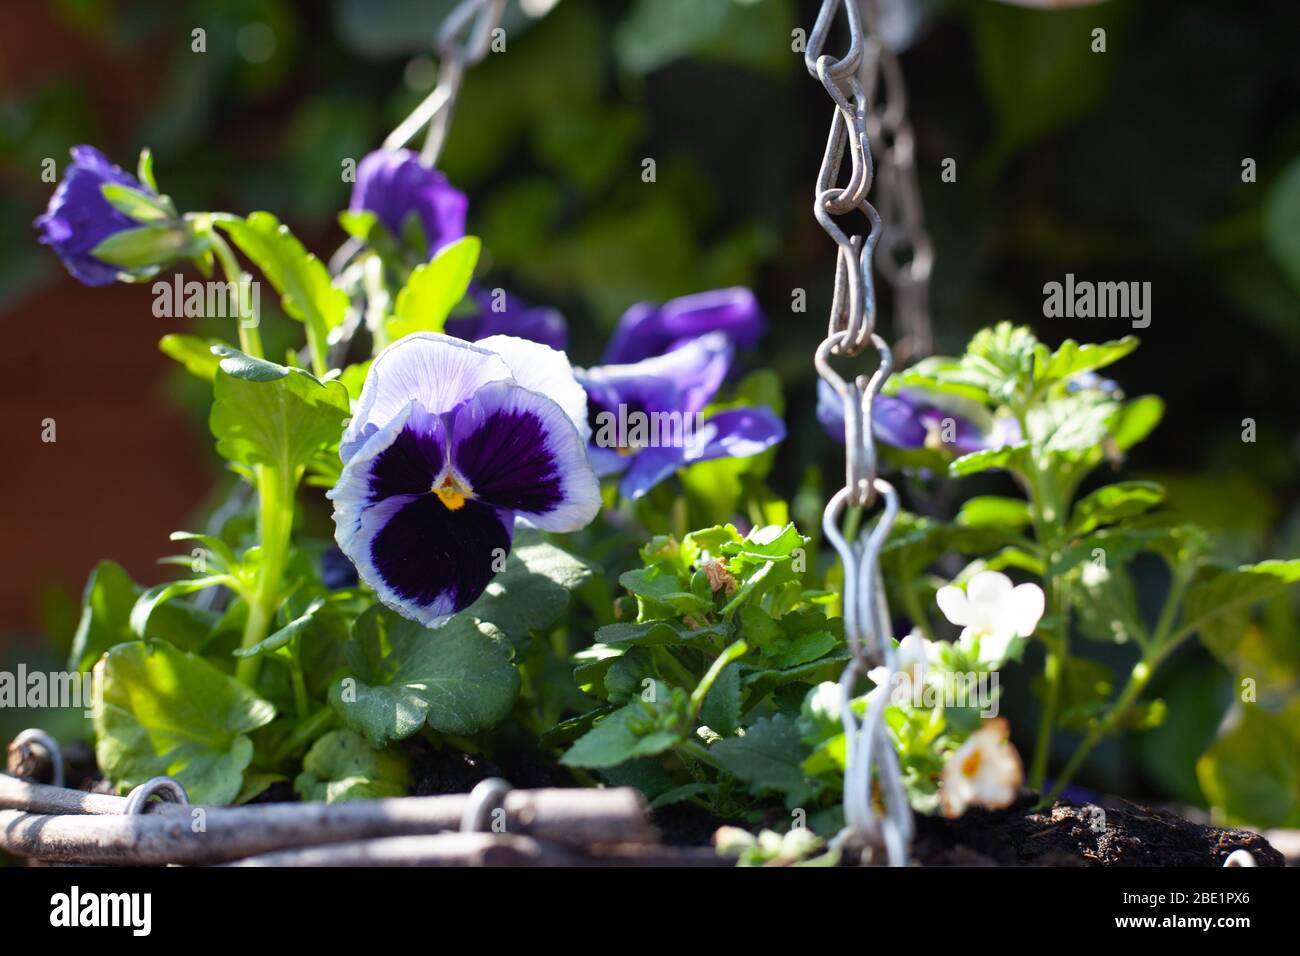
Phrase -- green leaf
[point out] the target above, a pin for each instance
(342, 766)
(994, 511)
(1070, 425)
(721, 710)
(663, 588)
(533, 590)
(109, 597)
(304, 284)
(170, 713)
(147, 246)
(284, 635)
(1251, 774)
(1008, 458)
(618, 737)
(1072, 358)
(359, 223)
(769, 756)
(1136, 420)
(194, 353)
(138, 205)
(268, 414)
(144, 169)
(769, 543)
(1224, 592)
(1107, 605)
(666, 632)
(1112, 503)
(162, 593)
(434, 289)
(458, 679)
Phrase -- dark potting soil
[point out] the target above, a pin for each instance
(447, 770)
(1117, 833)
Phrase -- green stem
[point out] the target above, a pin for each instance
(1046, 511)
(1137, 682)
(300, 701)
(274, 524)
(1161, 646)
(1053, 670)
(305, 733)
(701, 691)
(250, 336)
(698, 751)
(912, 605)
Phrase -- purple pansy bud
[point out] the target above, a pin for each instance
(646, 419)
(450, 443)
(79, 217)
(913, 419)
(393, 183)
(646, 330)
(500, 313)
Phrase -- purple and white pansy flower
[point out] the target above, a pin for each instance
(450, 443)
(646, 417)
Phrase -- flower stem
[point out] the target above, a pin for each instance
(305, 733)
(1137, 682)
(1053, 669)
(250, 336)
(274, 524)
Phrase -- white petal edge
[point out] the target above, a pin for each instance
(545, 370)
(438, 371)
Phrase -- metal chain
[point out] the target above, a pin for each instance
(906, 254)
(851, 81)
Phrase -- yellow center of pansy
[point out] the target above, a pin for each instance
(971, 765)
(452, 493)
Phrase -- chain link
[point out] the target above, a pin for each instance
(853, 82)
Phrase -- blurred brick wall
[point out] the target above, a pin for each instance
(127, 467)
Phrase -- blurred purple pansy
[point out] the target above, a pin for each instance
(646, 330)
(79, 218)
(645, 417)
(912, 419)
(449, 444)
(500, 313)
(393, 184)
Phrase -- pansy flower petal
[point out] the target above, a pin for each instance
(953, 603)
(683, 380)
(1025, 609)
(518, 450)
(426, 560)
(542, 369)
(646, 329)
(735, 433)
(437, 371)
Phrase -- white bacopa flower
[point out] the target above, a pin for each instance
(913, 671)
(992, 612)
(985, 771)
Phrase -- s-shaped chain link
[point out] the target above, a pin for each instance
(852, 81)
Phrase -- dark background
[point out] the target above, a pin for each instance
(1118, 166)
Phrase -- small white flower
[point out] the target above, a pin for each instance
(992, 611)
(913, 671)
(985, 771)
